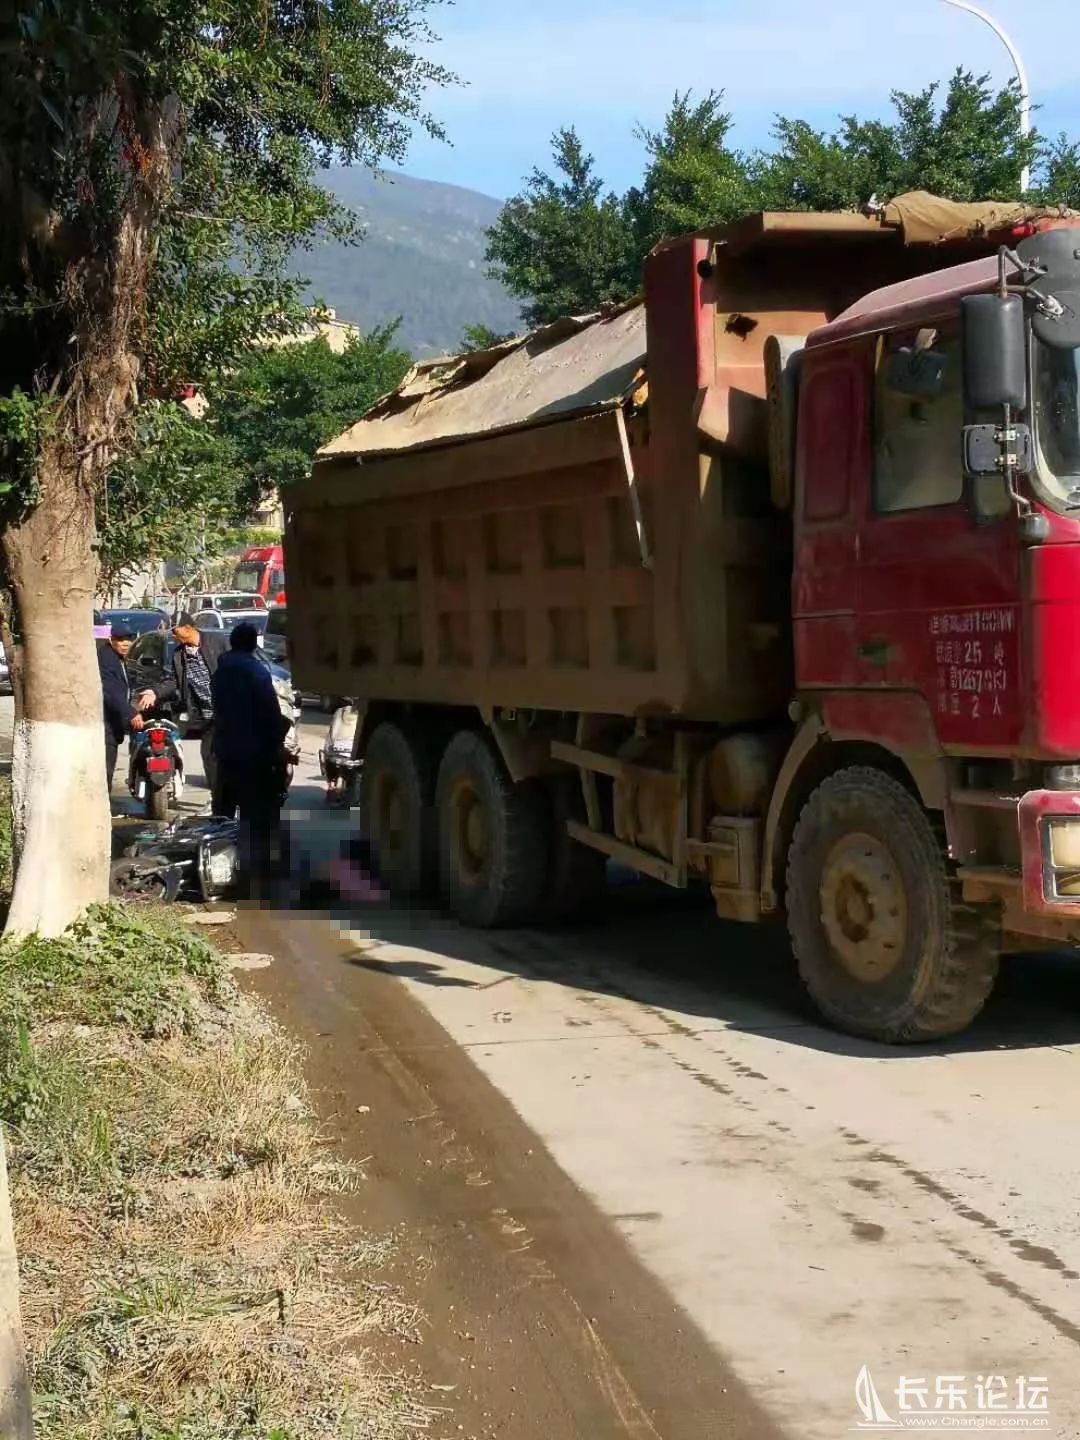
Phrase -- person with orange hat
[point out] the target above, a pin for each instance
(190, 689)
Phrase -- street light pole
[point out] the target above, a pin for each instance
(1021, 75)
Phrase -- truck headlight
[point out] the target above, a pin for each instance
(1064, 854)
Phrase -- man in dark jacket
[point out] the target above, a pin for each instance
(248, 735)
(189, 688)
(121, 714)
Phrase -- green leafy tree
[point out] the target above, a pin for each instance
(968, 147)
(1060, 179)
(964, 143)
(566, 247)
(562, 244)
(283, 402)
(172, 496)
(160, 161)
(692, 178)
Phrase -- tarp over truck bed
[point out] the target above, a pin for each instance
(573, 367)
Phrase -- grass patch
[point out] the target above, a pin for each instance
(184, 1274)
(143, 972)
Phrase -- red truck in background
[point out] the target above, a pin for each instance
(770, 581)
(261, 571)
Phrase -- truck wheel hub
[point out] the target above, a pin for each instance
(472, 832)
(863, 907)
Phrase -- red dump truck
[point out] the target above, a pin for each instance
(769, 581)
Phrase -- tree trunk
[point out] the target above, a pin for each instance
(16, 1420)
(60, 808)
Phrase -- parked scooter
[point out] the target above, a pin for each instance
(156, 768)
(336, 763)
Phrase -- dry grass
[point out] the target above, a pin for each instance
(185, 1275)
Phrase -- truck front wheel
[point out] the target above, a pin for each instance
(493, 837)
(394, 813)
(885, 947)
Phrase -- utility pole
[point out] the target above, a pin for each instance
(1021, 75)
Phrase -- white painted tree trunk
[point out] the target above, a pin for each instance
(60, 824)
(16, 1419)
(60, 816)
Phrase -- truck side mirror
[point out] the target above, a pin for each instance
(995, 352)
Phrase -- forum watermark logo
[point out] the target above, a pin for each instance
(954, 1402)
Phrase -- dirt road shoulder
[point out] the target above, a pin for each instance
(540, 1321)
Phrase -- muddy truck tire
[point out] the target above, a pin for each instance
(885, 947)
(493, 837)
(395, 815)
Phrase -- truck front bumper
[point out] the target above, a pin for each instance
(1050, 860)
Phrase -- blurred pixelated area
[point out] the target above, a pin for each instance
(322, 861)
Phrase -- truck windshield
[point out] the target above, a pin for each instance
(1057, 419)
(247, 578)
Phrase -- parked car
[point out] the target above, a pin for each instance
(136, 619)
(228, 601)
(5, 673)
(228, 620)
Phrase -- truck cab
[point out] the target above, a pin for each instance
(261, 571)
(936, 607)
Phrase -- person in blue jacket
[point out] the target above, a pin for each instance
(248, 734)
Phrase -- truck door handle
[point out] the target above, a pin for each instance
(877, 652)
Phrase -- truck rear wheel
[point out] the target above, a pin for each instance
(493, 837)
(394, 814)
(884, 947)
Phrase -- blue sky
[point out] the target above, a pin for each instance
(608, 65)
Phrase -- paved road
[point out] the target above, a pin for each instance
(729, 1210)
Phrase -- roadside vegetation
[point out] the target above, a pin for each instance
(184, 1276)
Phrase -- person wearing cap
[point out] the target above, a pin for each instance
(121, 714)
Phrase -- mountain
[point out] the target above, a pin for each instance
(422, 258)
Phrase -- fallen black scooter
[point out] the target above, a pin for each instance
(193, 859)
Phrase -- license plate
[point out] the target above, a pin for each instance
(163, 764)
